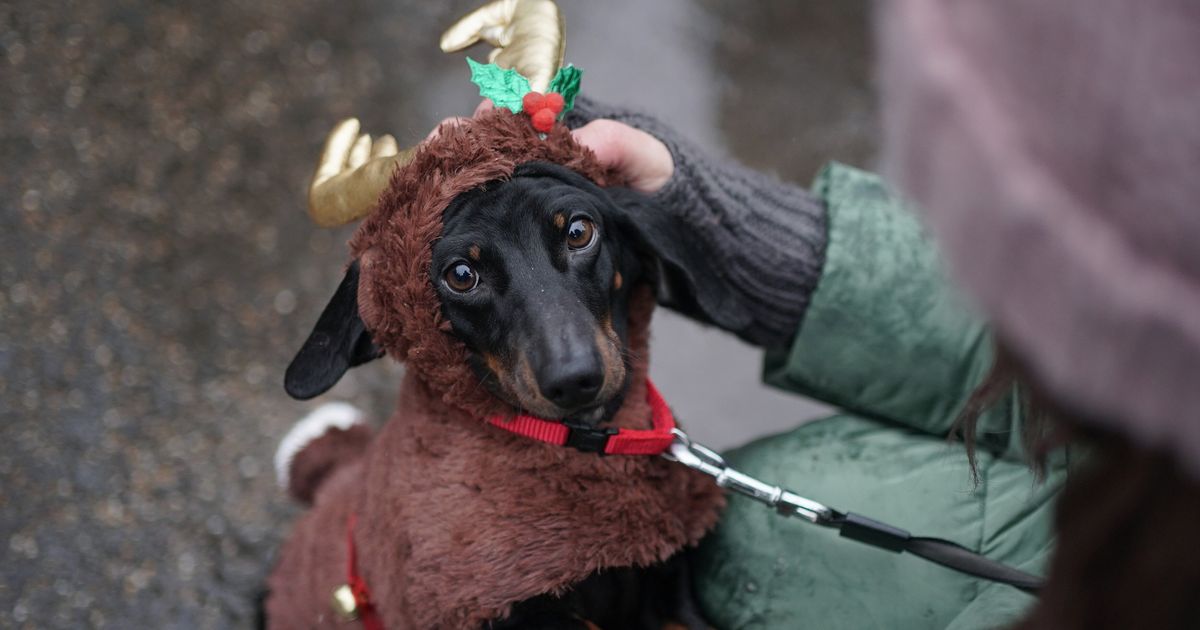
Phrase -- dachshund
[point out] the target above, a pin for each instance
(534, 274)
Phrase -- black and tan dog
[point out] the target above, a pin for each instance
(528, 291)
(534, 276)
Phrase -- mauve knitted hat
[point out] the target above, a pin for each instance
(1055, 150)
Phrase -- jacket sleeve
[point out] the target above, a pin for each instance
(885, 335)
(764, 236)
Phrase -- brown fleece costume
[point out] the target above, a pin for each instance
(457, 520)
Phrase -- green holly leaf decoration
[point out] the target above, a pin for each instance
(506, 88)
(566, 82)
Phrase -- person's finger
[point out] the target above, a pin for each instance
(486, 105)
(605, 141)
(642, 159)
(452, 121)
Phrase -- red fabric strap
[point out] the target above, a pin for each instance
(533, 428)
(362, 595)
(621, 442)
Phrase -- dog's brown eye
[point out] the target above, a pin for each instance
(580, 233)
(461, 277)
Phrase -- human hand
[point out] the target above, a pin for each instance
(642, 159)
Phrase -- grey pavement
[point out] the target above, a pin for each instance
(159, 271)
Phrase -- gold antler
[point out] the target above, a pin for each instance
(529, 36)
(353, 170)
(351, 174)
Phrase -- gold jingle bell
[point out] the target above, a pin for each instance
(344, 603)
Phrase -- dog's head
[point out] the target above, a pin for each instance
(534, 275)
(532, 272)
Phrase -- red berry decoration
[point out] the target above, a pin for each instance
(543, 109)
(532, 102)
(543, 120)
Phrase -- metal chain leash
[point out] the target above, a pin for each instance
(850, 525)
(787, 503)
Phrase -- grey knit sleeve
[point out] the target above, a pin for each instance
(767, 237)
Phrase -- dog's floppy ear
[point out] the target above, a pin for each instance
(684, 271)
(338, 342)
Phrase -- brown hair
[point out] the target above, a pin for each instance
(1124, 524)
(1126, 554)
(1040, 434)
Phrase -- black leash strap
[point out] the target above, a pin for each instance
(850, 525)
(944, 552)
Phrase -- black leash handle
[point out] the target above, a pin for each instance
(850, 525)
(944, 552)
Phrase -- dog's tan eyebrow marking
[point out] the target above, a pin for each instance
(618, 281)
(474, 252)
(560, 220)
(493, 363)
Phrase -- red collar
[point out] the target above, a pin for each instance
(605, 441)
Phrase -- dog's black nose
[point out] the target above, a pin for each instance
(573, 384)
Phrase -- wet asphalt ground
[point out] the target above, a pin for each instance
(158, 270)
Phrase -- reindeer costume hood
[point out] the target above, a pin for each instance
(394, 244)
(453, 521)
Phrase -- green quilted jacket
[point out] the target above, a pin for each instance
(891, 345)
